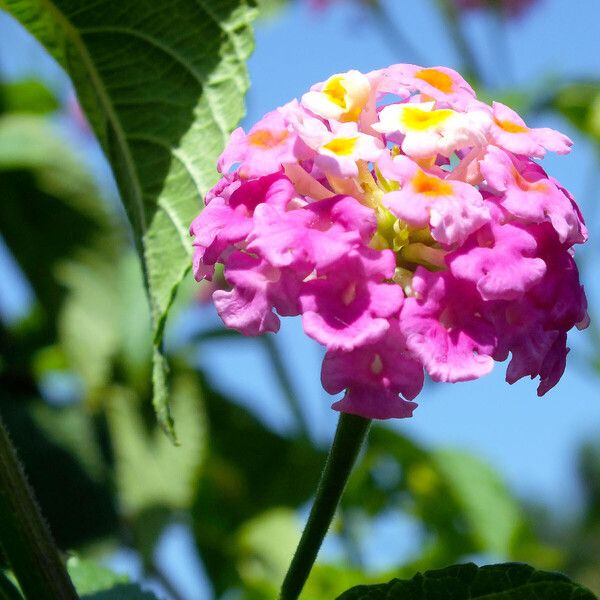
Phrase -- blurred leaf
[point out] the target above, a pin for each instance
(89, 577)
(88, 327)
(492, 514)
(151, 472)
(511, 581)
(28, 96)
(62, 458)
(266, 545)
(249, 470)
(50, 206)
(8, 590)
(478, 515)
(162, 116)
(104, 321)
(325, 581)
(270, 8)
(579, 103)
(121, 592)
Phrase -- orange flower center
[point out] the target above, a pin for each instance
(429, 185)
(438, 79)
(266, 139)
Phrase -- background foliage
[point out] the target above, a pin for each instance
(161, 89)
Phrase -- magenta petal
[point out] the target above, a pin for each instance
(554, 364)
(314, 236)
(500, 260)
(344, 309)
(443, 327)
(386, 363)
(374, 403)
(258, 288)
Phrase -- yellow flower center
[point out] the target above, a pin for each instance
(341, 146)
(415, 118)
(335, 91)
(438, 79)
(266, 139)
(343, 92)
(429, 185)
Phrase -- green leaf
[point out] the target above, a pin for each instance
(42, 182)
(104, 320)
(121, 592)
(493, 515)
(579, 103)
(89, 577)
(162, 85)
(151, 472)
(27, 96)
(510, 581)
(8, 590)
(94, 582)
(60, 444)
(266, 545)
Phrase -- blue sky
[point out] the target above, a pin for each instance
(531, 441)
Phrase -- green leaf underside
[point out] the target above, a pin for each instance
(90, 578)
(121, 592)
(94, 582)
(510, 581)
(162, 85)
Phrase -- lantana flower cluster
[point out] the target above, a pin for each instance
(409, 224)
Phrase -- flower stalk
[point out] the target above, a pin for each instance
(349, 437)
(24, 535)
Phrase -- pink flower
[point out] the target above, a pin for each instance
(528, 194)
(430, 131)
(510, 132)
(258, 288)
(500, 260)
(269, 145)
(444, 328)
(314, 236)
(441, 84)
(374, 376)
(452, 209)
(349, 305)
(409, 226)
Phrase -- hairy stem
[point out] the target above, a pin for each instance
(24, 535)
(349, 436)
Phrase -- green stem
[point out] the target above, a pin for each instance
(349, 436)
(24, 535)
(285, 382)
